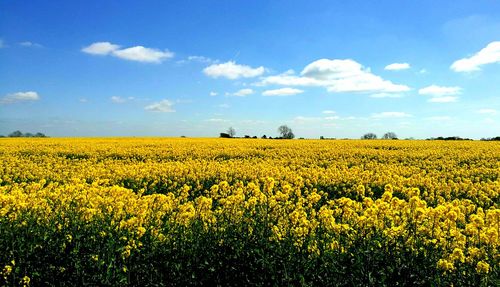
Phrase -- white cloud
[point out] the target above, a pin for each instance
(213, 94)
(487, 111)
(488, 55)
(143, 54)
(201, 59)
(163, 106)
(83, 100)
(328, 112)
(446, 99)
(391, 115)
(136, 53)
(386, 95)
(30, 44)
(338, 76)
(282, 92)
(232, 71)
(121, 100)
(397, 66)
(20, 97)
(439, 91)
(243, 92)
(100, 48)
(287, 79)
(441, 94)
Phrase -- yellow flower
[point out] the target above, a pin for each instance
(361, 190)
(482, 267)
(458, 255)
(6, 271)
(25, 281)
(445, 265)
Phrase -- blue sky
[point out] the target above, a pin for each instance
(194, 68)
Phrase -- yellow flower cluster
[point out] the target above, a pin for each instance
(321, 196)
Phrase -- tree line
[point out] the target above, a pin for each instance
(287, 133)
(284, 131)
(19, 134)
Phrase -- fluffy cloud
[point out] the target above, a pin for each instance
(487, 111)
(441, 94)
(328, 112)
(213, 94)
(136, 53)
(282, 92)
(30, 44)
(20, 97)
(100, 48)
(397, 66)
(232, 71)
(488, 55)
(163, 106)
(439, 91)
(338, 76)
(384, 115)
(243, 93)
(143, 54)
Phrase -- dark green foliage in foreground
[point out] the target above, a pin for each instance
(192, 257)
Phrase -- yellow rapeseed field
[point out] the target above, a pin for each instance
(151, 211)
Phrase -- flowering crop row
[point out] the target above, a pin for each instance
(214, 211)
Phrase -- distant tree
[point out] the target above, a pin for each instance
(390, 136)
(286, 132)
(247, 136)
(16, 134)
(231, 132)
(264, 137)
(454, 138)
(224, 135)
(28, 135)
(321, 137)
(40, 135)
(369, 136)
